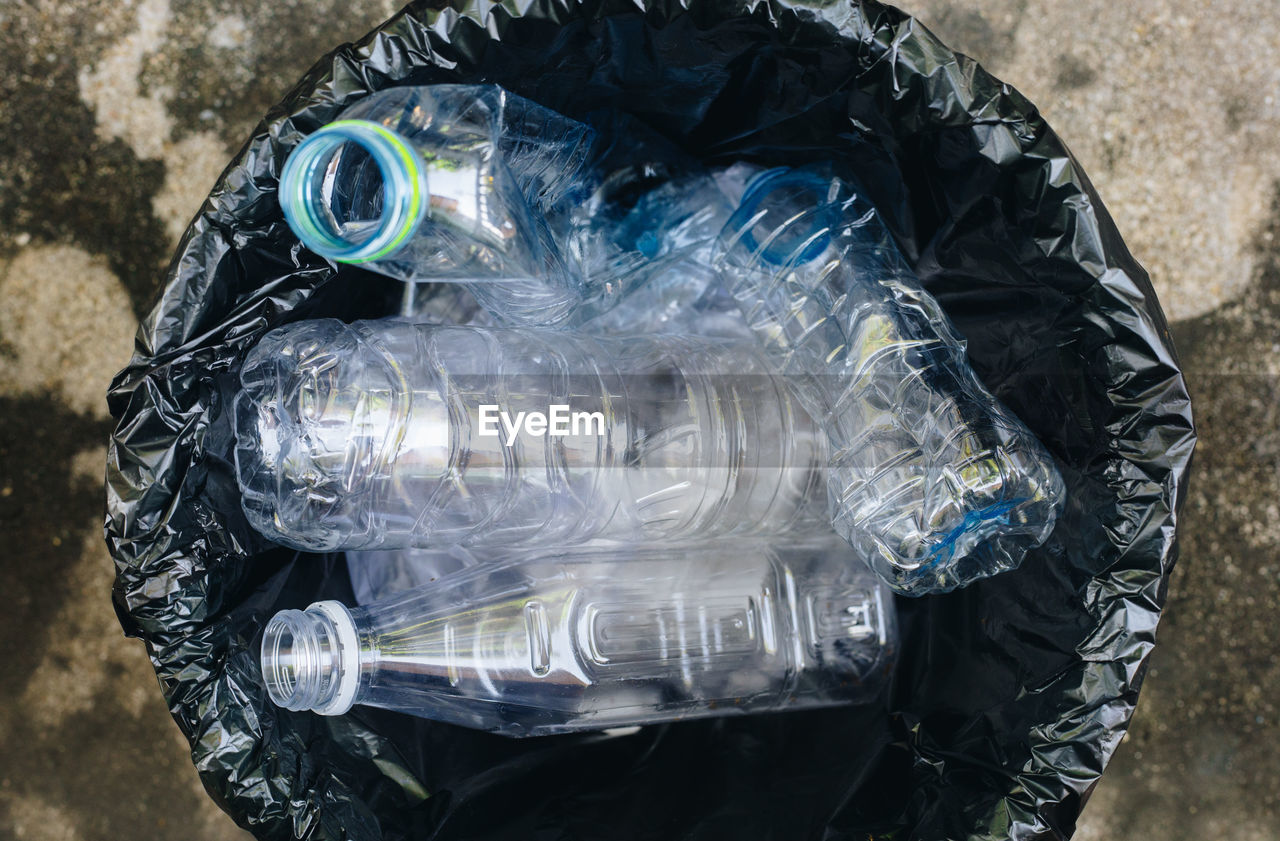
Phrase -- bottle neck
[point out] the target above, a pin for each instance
(311, 659)
(316, 201)
(356, 191)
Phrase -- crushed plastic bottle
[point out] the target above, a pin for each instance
(597, 638)
(384, 434)
(471, 184)
(932, 479)
(672, 285)
(446, 183)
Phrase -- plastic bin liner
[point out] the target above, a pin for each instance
(1011, 694)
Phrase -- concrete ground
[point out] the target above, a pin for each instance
(120, 116)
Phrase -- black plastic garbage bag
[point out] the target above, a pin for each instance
(1011, 694)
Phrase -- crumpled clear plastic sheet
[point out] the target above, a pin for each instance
(1011, 694)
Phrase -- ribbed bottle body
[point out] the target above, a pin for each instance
(932, 478)
(388, 434)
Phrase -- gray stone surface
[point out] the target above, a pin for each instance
(119, 118)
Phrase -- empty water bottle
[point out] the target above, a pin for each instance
(445, 183)
(597, 638)
(932, 479)
(388, 434)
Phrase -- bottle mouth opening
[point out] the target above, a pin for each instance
(285, 660)
(354, 191)
(310, 659)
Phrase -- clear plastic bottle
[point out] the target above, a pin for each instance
(446, 183)
(932, 479)
(598, 638)
(383, 434)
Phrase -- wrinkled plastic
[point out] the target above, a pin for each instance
(462, 183)
(670, 232)
(931, 480)
(1010, 695)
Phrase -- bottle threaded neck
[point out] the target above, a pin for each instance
(309, 659)
(315, 202)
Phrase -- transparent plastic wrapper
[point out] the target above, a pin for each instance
(932, 479)
(446, 183)
(1009, 696)
(598, 637)
(384, 434)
